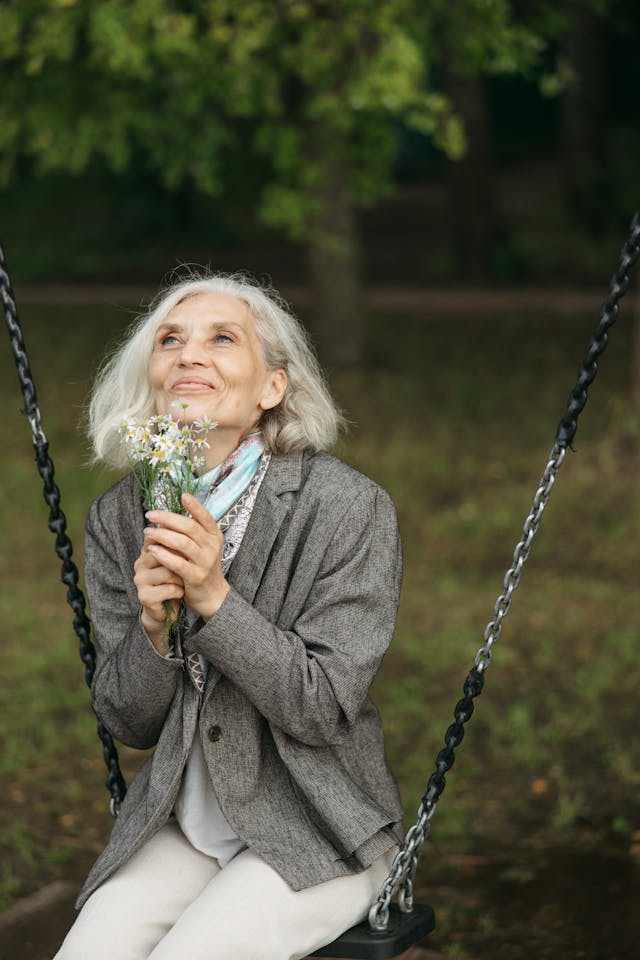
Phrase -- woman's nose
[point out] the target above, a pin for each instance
(192, 353)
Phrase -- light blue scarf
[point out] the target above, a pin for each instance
(220, 487)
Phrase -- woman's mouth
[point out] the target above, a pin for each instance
(191, 386)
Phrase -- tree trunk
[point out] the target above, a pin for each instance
(635, 355)
(335, 266)
(584, 125)
(469, 181)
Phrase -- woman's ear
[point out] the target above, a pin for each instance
(276, 384)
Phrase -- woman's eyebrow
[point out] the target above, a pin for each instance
(225, 325)
(166, 326)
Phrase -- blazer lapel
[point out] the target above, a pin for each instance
(284, 474)
(248, 565)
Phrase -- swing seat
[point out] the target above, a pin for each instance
(363, 943)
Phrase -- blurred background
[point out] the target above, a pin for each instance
(441, 191)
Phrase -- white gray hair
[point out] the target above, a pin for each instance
(306, 418)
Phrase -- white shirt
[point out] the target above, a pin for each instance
(198, 811)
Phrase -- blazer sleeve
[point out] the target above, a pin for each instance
(312, 681)
(133, 684)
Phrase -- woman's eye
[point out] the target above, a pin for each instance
(169, 339)
(223, 338)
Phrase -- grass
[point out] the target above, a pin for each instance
(456, 421)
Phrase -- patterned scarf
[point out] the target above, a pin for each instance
(229, 492)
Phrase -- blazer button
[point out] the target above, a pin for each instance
(215, 733)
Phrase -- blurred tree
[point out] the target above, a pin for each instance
(581, 31)
(471, 198)
(313, 89)
(584, 123)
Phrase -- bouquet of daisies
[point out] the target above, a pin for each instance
(166, 457)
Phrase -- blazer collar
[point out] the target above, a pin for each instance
(284, 473)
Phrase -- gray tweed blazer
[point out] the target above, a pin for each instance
(292, 740)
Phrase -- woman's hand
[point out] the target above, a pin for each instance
(155, 585)
(191, 549)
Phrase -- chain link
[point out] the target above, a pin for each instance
(31, 410)
(402, 872)
(520, 556)
(608, 315)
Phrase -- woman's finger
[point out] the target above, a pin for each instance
(155, 583)
(177, 542)
(159, 574)
(170, 521)
(146, 559)
(182, 567)
(155, 595)
(200, 513)
(192, 526)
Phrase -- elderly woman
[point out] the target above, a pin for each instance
(266, 818)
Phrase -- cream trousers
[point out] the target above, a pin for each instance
(171, 902)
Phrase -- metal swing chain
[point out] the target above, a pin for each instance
(57, 523)
(403, 869)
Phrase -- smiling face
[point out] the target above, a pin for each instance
(207, 353)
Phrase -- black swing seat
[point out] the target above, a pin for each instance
(363, 943)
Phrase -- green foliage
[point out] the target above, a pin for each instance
(182, 86)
